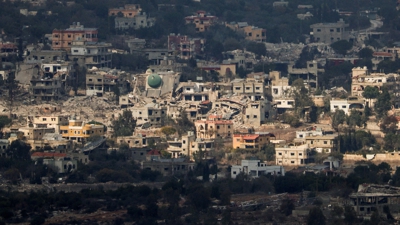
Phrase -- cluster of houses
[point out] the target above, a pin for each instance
(234, 110)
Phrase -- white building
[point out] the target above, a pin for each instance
(346, 105)
(255, 168)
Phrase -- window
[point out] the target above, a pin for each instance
(44, 119)
(76, 50)
(229, 126)
(280, 153)
(292, 154)
(234, 172)
(187, 89)
(237, 88)
(331, 30)
(343, 106)
(318, 30)
(335, 106)
(255, 116)
(300, 154)
(217, 127)
(337, 29)
(325, 142)
(292, 162)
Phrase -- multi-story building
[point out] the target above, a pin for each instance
(47, 122)
(254, 141)
(258, 112)
(251, 33)
(79, 131)
(46, 88)
(7, 50)
(283, 104)
(137, 141)
(308, 74)
(201, 20)
(62, 39)
(151, 114)
(135, 44)
(279, 85)
(91, 54)
(64, 70)
(185, 47)
(46, 56)
(250, 87)
(361, 79)
(191, 91)
(293, 155)
(32, 133)
(330, 32)
(140, 20)
(168, 167)
(154, 55)
(255, 168)
(323, 143)
(189, 146)
(214, 127)
(97, 84)
(129, 11)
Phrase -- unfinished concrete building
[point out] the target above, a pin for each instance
(46, 88)
(373, 197)
(97, 84)
(252, 88)
(258, 112)
(151, 114)
(308, 74)
(189, 145)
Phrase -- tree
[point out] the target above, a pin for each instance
(124, 125)
(168, 130)
(370, 92)
(341, 47)
(355, 119)
(339, 117)
(287, 206)
(4, 120)
(316, 217)
(383, 104)
(389, 124)
(350, 216)
(365, 53)
(257, 48)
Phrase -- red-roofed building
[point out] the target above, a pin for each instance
(153, 155)
(214, 127)
(251, 141)
(55, 155)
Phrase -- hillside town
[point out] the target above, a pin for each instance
(169, 113)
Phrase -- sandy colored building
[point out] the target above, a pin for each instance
(62, 39)
(214, 127)
(47, 122)
(201, 20)
(189, 145)
(79, 131)
(293, 155)
(129, 10)
(251, 141)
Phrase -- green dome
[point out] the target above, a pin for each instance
(154, 81)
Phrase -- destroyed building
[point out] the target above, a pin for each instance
(374, 197)
(215, 126)
(155, 85)
(152, 114)
(189, 145)
(47, 87)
